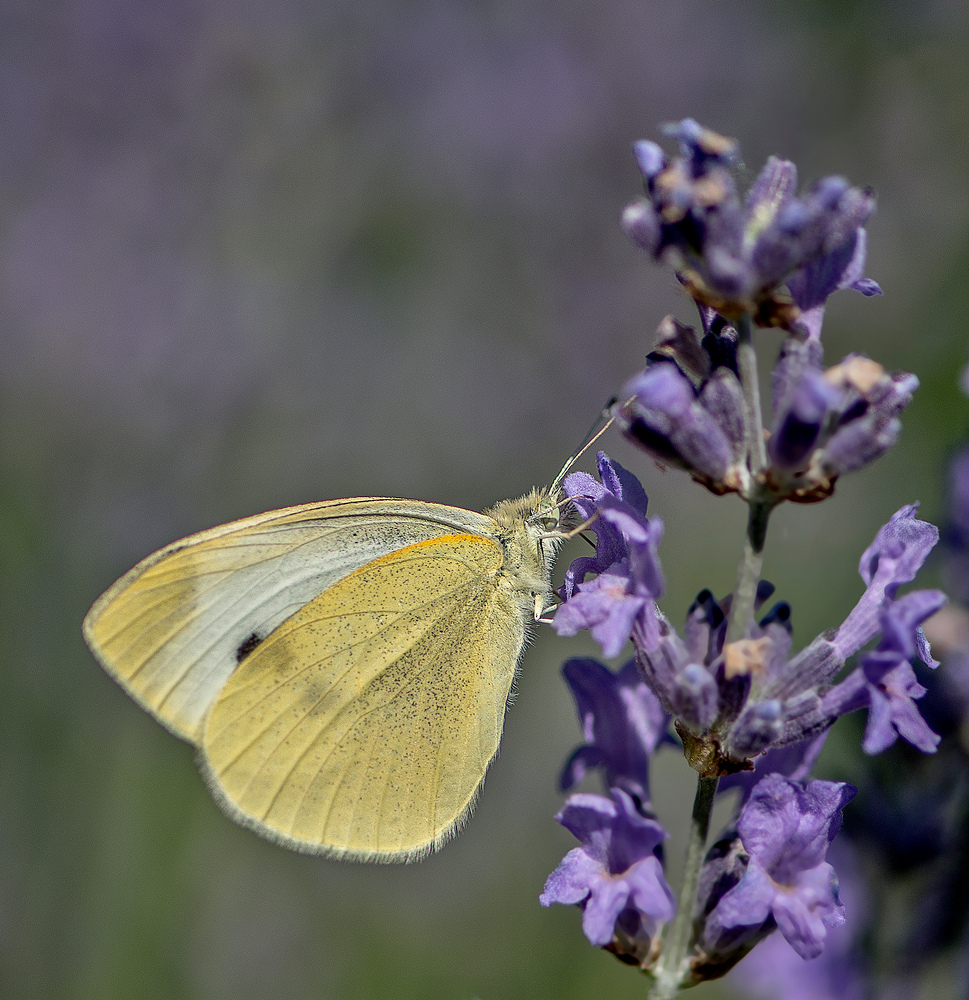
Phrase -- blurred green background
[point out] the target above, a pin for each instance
(262, 254)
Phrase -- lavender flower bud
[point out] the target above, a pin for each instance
(757, 729)
(723, 398)
(695, 698)
(687, 411)
(798, 429)
(649, 157)
(641, 224)
(661, 413)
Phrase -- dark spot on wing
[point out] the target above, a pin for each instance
(248, 646)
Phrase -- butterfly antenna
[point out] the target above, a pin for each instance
(601, 425)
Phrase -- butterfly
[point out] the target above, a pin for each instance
(344, 667)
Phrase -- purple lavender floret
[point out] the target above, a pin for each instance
(686, 408)
(885, 682)
(661, 411)
(893, 558)
(734, 257)
(622, 597)
(775, 971)
(734, 702)
(622, 723)
(799, 425)
(841, 267)
(586, 495)
(831, 422)
(785, 829)
(882, 682)
(615, 876)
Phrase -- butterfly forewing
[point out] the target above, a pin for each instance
(175, 627)
(363, 726)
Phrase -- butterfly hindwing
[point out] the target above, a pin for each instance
(362, 727)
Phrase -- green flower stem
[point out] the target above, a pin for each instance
(760, 502)
(748, 574)
(750, 383)
(673, 967)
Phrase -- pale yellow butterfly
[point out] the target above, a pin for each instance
(343, 667)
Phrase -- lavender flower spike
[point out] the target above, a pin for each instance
(615, 876)
(785, 828)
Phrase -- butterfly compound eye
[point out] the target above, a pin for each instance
(548, 521)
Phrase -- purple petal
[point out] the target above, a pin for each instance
(607, 899)
(892, 711)
(787, 827)
(603, 605)
(900, 625)
(649, 891)
(622, 722)
(612, 830)
(903, 544)
(866, 286)
(893, 558)
(621, 483)
(649, 157)
(590, 818)
(811, 285)
(584, 492)
(746, 906)
(570, 882)
(804, 915)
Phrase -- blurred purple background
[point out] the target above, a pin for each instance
(256, 255)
